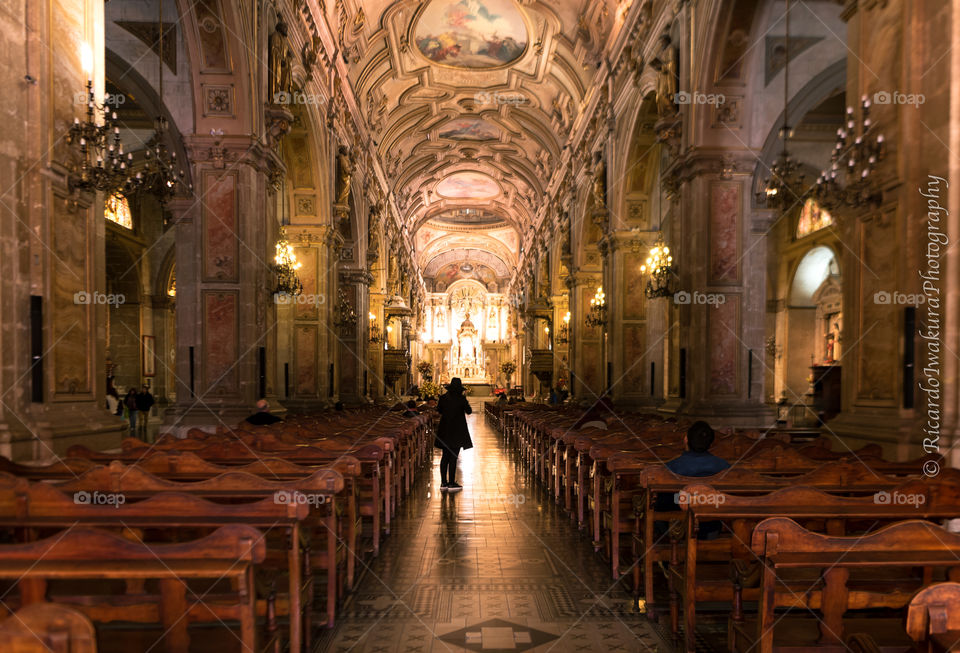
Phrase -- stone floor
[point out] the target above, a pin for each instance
(493, 568)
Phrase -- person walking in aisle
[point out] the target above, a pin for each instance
(145, 402)
(452, 433)
(130, 410)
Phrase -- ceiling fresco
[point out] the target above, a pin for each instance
(471, 33)
(475, 102)
(469, 129)
(468, 185)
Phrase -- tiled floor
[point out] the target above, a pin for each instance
(493, 568)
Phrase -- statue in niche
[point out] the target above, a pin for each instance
(441, 318)
(666, 67)
(279, 72)
(599, 183)
(467, 363)
(345, 166)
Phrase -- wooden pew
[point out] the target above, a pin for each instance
(916, 499)
(785, 546)
(933, 618)
(48, 628)
(134, 483)
(228, 554)
(43, 507)
(837, 476)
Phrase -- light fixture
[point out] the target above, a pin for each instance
(659, 265)
(597, 316)
(344, 315)
(285, 266)
(855, 155)
(784, 187)
(374, 334)
(161, 176)
(563, 333)
(103, 165)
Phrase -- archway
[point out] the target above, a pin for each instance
(814, 324)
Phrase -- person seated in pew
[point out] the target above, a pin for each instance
(696, 461)
(263, 417)
(411, 410)
(594, 417)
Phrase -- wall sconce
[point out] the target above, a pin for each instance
(563, 333)
(286, 266)
(374, 334)
(597, 316)
(659, 265)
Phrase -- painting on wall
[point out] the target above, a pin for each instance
(472, 34)
(469, 129)
(468, 185)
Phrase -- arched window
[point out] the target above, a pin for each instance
(812, 218)
(117, 209)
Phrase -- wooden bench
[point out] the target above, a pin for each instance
(916, 499)
(43, 507)
(228, 554)
(134, 483)
(48, 628)
(785, 546)
(933, 618)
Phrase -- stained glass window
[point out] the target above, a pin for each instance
(117, 209)
(812, 218)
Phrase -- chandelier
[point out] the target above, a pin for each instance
(784, 186)
(285, 266)
(103, 165)
(853, 161)
(160, 175)
(375, 336)
(344, 315)
(563, 333)
(659, 265)
(597, 316)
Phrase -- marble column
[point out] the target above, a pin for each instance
(721, 296)
(224, 282)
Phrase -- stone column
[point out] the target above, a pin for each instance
(353, 339)
(585, 341)
(636, 336)
(223, 272)
(52, 263)
(721, 298)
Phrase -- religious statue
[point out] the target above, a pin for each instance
(279, 71)
(345, 166)
(467, 350)
(599, 183)
(666, 67)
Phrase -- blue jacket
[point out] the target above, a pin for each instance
(692, 463)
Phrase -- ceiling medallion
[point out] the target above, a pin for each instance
(471, 34)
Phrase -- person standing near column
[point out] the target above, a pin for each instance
(145, 402)
(452, 433)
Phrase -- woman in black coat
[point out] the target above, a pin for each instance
(452, 433)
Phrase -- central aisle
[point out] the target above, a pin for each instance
(493, 568)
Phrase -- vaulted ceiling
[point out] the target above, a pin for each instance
(471, 103)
